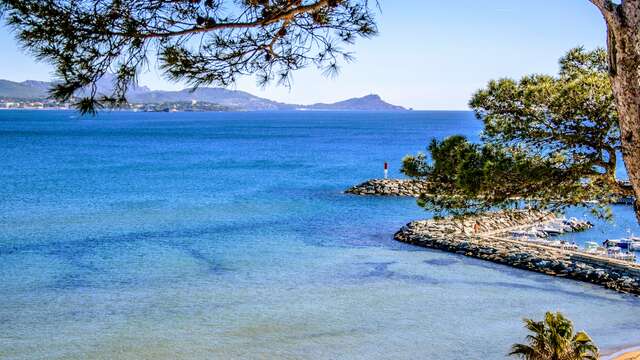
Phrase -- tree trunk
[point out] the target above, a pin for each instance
(623, 26)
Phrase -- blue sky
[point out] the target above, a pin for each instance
(429, 54)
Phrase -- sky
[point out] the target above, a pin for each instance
(429, 55)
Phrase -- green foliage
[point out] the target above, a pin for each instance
(554, 339)
(572, 115)
(415, 166)
(551, 141)
(201, 42)
(466, 178)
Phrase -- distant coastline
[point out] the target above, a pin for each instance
(37, 109)
(35, 94)
(128, 109)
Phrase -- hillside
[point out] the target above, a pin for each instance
(223, 98)
(229, 98)
(369, 103)
(22, 90)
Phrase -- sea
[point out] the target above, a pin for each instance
(228, 236)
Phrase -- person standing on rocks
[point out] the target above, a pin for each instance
(476, 227)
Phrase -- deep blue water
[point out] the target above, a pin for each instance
(227, 236)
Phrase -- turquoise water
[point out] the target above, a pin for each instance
(227, 236)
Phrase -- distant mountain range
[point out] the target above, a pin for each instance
(31, 90)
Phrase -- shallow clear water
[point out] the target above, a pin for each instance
(205, 236)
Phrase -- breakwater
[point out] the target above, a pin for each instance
(416, 187)
(389, 187)
(478, 237)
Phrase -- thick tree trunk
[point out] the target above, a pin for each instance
(623, 23)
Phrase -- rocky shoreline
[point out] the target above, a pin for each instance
(389, 187)
(415, 187)
(478, 237)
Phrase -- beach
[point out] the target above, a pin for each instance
(634, 355)
(628, 353)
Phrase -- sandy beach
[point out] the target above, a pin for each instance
(629, 353)
(634, 355)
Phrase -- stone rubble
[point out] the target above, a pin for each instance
(389, 187)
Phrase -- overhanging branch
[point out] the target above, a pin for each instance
(283, 16)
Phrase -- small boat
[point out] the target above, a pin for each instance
(626, 243)
(625, 257)
(612, 243)
(525, 234)
(592, 247)
(635, 243)
(562, 224)
(552, 230)
(577, 225)
(615, 252)
(519, 233)
(539, 241)
(591, 244)
(570, 246)
(562, 245)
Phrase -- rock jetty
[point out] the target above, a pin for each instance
(478, 237)
(389, 187)
(415, 187)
